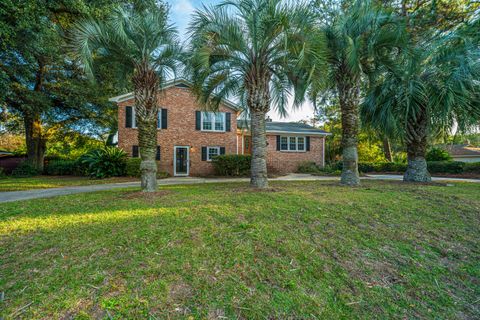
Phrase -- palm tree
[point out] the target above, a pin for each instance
(251, 50)
(356, 36)
(433, 87)
(143, 45)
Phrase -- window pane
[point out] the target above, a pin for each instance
(293, 144)
(219, 124)
(159, 119)
(301, 143)
(207, 120)
(283, 143)
(212, 152)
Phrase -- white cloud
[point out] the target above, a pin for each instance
(182, 7)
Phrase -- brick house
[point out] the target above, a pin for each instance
(189, 137)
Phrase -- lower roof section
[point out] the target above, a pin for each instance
(285, 127)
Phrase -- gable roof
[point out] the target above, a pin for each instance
(286, 127)
(178, 82)
(462, 150)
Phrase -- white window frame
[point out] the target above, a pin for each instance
(212, 122)
(208, 152)
(296, 144)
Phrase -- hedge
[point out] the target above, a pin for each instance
(64, 168)
(232, 165)
(433, 167)
(133, 169)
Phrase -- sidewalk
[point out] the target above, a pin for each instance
(46, 193)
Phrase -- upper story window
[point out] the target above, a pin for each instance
(131, 118)
(292, 143)
(213, 121)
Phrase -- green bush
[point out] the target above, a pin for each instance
(232, 165)
(308, 167)
(2, 173)
(105, 162)
(133, 167)
(445, 166)
(24, 169)
(60, 167)
(437, 154)
(473, 167)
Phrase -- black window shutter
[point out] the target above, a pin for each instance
(128, 117)
(204, 153)
(135, 152)
(198, 120)
(157, 156)
(307, 140)
(164, 118)
(222, 150)
(228, 119)
(278, 143)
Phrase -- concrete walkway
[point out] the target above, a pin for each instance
(53, 192)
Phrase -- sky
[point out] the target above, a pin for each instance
(180, 13)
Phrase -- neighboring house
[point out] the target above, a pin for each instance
(463, 152)
(189, 137)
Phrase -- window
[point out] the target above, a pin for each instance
(284, 143)
(213, 121)
(159, 119)
(300, 143)
(212, 152)
(292, 143)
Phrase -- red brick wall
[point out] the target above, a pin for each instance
(181, 106)
(285, 162)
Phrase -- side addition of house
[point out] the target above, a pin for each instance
(190, 137)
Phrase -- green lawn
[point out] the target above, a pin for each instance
(301, 250)
(43, 182)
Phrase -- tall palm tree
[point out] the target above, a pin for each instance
(356, 36)
(141, 42)
(433, 87)
(254, 51)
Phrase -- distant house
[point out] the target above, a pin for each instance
(189, 137)
(463, 152)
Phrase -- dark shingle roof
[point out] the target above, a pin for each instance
(285, 127)
(462, 150)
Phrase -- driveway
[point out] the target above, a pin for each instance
(53, 192)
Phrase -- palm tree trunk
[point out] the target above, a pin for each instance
(145, 82)
(349, 100)
(35, 142)
(258, 177)
(416, 140)
(387, 149)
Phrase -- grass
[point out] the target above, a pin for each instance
(44, 182)
(301, 250)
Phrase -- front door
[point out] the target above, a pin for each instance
(181, 161)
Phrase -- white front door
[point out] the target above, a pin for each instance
(181, 161)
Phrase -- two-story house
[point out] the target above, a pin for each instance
(189, 137)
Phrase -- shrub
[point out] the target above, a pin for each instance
(24, 169)
(308, 167)
(232, 165)
(105, 162)
(437, 154)
(445, 166)
(2, 173)
(132, 168)
(60, 167)
(381, 167)
(472, 167)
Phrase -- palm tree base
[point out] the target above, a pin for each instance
(148, 169)
(350, 178)
(417, 171)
